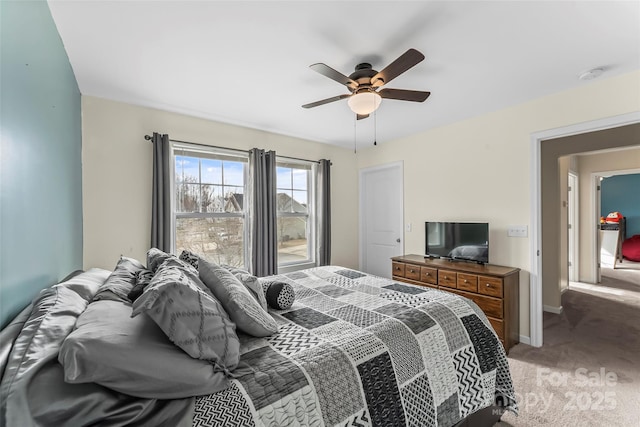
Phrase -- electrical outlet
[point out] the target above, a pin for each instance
(517, 231)
(407, 227)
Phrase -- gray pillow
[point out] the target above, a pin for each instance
(121, 281)
(190, 258)
(189, 315)
(132, 356)
(242, 307)
(251, 283)
(155, 258)
(143, 278)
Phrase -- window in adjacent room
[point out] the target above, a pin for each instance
(208, 203)
(295, 219)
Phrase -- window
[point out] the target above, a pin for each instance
(295, 219)
(208, 203)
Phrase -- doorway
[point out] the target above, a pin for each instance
(381, 217)
(546, 148)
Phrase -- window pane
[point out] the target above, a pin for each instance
(212, 200)
(284, 200)
(233, 199)
(233, 173)
(211, 171)
(219, 240)
(187, 197)
(292, 239)
(283, 177)
(300, 202)
(300, 179)
(187, 169)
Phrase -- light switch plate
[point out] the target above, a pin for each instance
(517, 231)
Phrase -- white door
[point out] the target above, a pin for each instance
(381, 217)
(573, 227)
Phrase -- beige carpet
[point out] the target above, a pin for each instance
(587, 373)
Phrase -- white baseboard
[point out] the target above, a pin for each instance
(552, 309)
(525, 340)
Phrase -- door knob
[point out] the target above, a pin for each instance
(398, 240)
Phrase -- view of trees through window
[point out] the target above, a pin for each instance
(209, 208)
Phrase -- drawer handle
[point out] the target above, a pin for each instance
(466, 281)
(412, 271)
(445, 277)
(488, 285)
(426, 274)
(397, 268)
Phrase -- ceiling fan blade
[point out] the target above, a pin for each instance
(325, 101)
(327, 71)
(361, 116)
(397, 67)
(404, 95)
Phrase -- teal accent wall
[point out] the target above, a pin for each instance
(621, 193)
(40, 157)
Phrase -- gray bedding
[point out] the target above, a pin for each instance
(353, 349)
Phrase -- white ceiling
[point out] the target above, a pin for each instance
(246, 63)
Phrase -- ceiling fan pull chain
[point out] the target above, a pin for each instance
(355, 145)
(375, 127)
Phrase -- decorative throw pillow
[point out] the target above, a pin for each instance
(242, 307)
(155, 257)
(190, 257)
(189, 316)
(251, 283)
(121, 281)
(143, 278)
(279, 295)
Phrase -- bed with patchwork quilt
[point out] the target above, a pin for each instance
(333, 347)
(361, 350)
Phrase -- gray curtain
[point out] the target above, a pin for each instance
(262, 212)
(161, 196)
(324, 212)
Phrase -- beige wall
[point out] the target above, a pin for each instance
(479, 169)
(588, 166)
(116, 176)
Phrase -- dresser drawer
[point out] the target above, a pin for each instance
(498, 326)
(492, 307)
(467, 282)
(397, 269)
(447, 278)
(429, 275)
(490, 286)
(412, 272)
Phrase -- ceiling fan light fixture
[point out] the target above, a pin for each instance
(365, 102)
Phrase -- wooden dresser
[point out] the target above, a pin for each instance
(494, 288)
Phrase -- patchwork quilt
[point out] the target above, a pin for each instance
(360, 350)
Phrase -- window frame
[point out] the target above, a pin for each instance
(215, 153)
(311, 215)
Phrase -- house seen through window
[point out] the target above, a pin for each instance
(295, 223)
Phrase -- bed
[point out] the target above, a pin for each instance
(352, 349)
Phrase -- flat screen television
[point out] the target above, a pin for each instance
(468, 241)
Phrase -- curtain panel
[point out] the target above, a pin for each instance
(161, 193)
(324, 213)
(263, 252)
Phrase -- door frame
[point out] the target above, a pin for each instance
(574, 221)
(535, 243)
(361, 178)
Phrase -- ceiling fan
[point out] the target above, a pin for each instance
(363, 83)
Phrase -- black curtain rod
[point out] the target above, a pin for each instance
(148, 138)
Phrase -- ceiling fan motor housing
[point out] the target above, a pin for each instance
(363, 74)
